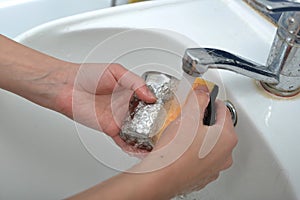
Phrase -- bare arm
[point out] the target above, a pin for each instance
(50, 82)
(30, 74)
(188, 172)
(53, 83)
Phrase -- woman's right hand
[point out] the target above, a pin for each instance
(190, 155)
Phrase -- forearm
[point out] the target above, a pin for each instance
(128, 186)
(30, 74)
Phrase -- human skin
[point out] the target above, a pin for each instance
(63, 86)
(187, 173)
(105, 89)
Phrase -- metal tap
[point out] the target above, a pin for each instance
(281, 74)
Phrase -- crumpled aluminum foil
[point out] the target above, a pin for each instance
(144, 121)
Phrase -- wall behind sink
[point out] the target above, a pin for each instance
(17, 16)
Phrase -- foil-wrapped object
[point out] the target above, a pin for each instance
(142, 125)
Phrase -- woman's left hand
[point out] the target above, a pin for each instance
(98, 96)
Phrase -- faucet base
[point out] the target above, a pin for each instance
(273, 90)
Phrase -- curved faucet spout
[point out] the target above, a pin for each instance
(197, 61)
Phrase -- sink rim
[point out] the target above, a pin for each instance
(148, 5)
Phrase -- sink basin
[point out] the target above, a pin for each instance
(46, 156)
(36, 12)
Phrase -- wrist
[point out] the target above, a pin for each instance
(56, 87)
(127, 186)
(55, 91)
(33, 75)
(153, 184)
(44, 85)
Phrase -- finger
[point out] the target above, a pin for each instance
(201, 87)
(145, 94)
(205, 182)
(221, 110)
(211, 179)
(223, 113)
(224, 120)
(227, 164)
(133, 82)
(221, 137)
(196, 103)
(119, 105)
(129, 149)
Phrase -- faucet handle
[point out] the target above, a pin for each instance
(284, 56)
(273, 7)
(289, 22)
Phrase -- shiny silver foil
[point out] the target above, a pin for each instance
(144, 120)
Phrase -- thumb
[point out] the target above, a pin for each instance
(133, 82)
(196, 103)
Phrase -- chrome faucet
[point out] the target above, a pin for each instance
(281, 75)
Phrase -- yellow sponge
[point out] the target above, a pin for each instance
(175, 110)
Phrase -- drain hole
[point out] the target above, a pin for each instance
(232, 110)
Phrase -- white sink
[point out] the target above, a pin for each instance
(43, 157)
(36, 12)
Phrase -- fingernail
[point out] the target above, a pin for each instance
(150, 94)
(202, 92)
(201, 88)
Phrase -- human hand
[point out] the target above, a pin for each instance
(96, 95)
(190, 155)
(99, 96)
